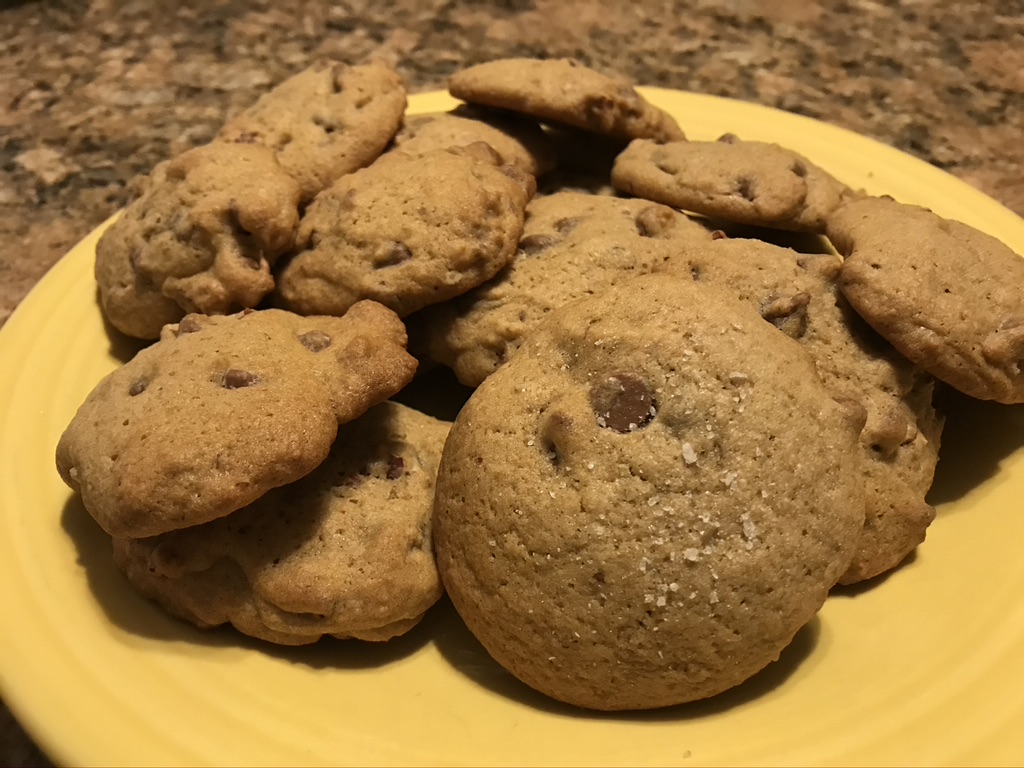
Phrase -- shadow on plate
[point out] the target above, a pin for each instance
(465, 653)
(869, 585)
(139, 617)
(801, 242)
(121, 347)
(978, 436)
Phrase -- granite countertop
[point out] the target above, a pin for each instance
(93, 93)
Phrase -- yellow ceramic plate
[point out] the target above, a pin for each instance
(925, 667)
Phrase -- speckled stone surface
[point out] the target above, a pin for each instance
(92, 93)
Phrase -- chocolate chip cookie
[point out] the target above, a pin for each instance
(949, 297)
(407, 232)
(899, 440)
(224, 408)
(345, 551)
(200, 237)
(564, 91)
(326, 121)
(748, 182)
(573, 245)
(644, 505)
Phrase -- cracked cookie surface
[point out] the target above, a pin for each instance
(345, 551)
(326, 121)
(222, 409)
(645, 504)
(407, 232)
(201, 237)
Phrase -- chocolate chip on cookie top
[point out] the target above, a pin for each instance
(326, 121)
(407, 232)
(564, 91)
(946, 295)
(224, 408)
(645, 504)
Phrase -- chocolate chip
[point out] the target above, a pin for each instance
(563, 226)
(623, 402)
(787, 313)
(654, 220)
(532, 244)
(719, 235)
(138, 387)
(396, 467)
(237, 379)
(798, 168)
(315, 341)
(391, 254)
(745, 188)
(189, 324)
(729, 138)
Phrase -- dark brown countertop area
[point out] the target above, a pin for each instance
(92, 93)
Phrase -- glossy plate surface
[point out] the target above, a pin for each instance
(923, 667)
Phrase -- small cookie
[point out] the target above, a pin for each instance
(573, 245)
(345, 551)
(326, 121)
(201, 237)
(749, 182)
(649, 500)
(407, 232)
(564, 91)
(947, 296)
(899, 441)
(517, 140)
(224, 408)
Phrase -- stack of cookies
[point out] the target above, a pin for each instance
(678, 440)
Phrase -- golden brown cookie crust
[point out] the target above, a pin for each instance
(201, 237)
(517, 140)
(949, 297)
(406, 232)
(573, 245)
(748, 182)
(899, 438)
(564, 91)
(326, 121)
(223, 409)
(345, 551)
(648, 501)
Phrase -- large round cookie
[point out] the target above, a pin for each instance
(200, 237)
(326, 121)
(947, 296)
(749, 182)
(224, 408)
(899, 442)
(566, 92)
(645, 504)
(345, 551)
(407, 232)
(573, 245)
